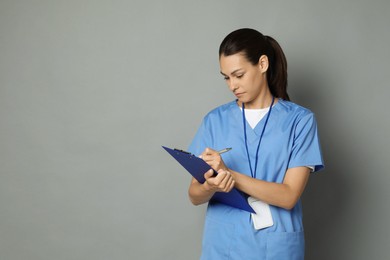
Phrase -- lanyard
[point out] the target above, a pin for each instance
(253, 174)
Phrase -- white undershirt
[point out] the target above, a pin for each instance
(254, 116)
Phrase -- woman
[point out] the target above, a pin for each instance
(274, 145)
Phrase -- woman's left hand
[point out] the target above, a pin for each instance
(213, 158)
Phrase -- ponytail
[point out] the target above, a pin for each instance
(277, 72)
(253, 44)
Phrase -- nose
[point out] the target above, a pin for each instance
(232, 85)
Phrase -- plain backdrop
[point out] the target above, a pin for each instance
(90, 90)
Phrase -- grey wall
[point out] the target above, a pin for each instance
(90, 90)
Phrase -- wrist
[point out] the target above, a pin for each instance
(234, 174)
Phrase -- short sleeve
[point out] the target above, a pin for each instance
(306, 148)
(202, 139)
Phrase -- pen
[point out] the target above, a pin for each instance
(224, 150)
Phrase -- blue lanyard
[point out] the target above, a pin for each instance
(253, 174)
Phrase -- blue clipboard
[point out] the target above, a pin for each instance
(197, 168)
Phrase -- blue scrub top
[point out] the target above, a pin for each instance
(290, 140)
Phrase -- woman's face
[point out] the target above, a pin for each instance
(247, 82)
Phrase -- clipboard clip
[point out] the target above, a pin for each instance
(185, 152)
(182, 151)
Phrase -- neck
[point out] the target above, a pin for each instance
(263, 100)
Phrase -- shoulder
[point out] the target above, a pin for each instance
(298, 118)
(294, 116)
(292, 109)
(221, 111)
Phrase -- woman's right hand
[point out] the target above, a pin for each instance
(223, 182)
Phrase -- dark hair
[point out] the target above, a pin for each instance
(253, 44)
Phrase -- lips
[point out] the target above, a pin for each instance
(238, 94)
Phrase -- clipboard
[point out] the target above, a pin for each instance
(198, 167)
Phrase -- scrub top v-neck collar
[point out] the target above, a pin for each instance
(253, 133)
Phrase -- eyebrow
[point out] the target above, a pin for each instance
(233, 72)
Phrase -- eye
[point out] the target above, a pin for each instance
(239, 76)
(226, 78)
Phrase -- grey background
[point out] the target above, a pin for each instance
(90, 90)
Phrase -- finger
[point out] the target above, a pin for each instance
(230, 185)
(212, 164)
(226, 184)
(229, 189)
(220, 176)
(209, 174)
(226, 177)
(203, 154)
(209, 151)
(207, 156)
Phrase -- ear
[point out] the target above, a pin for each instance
(263, 63)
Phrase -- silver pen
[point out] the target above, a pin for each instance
(224, 150)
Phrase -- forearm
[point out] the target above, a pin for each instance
(284, 195)
(199, 193)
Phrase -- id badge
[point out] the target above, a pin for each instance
(263, 217)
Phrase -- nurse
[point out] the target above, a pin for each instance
(275, 147)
